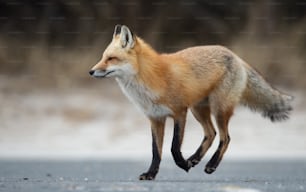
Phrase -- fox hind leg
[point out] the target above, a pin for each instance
(222, 120)
(202, 113)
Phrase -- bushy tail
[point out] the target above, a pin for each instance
(260, 96)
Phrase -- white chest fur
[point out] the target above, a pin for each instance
(144, 98)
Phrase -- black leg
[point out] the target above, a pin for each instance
(214, 161)
(222, 122)
(202, 114)
(157, 128)
(154, 167)
(197, 156)
(176, 146)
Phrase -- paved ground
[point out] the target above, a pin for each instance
(120, 175)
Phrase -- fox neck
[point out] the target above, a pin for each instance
(150, 66)
(143, 97)
(145, 88)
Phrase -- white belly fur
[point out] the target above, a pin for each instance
(143, 98)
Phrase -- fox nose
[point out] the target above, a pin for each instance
(91, 72)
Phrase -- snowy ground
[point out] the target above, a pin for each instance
(101, 123)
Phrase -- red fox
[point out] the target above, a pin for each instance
(208, 80)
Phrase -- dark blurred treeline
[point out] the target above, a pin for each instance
(46, 37)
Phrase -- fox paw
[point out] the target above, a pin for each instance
(147, 176)
(192, 162)
(185, 165)
(210, 170)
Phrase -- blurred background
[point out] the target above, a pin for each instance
(50, 107)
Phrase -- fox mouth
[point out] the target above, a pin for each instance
(100, 73)
(109, 72)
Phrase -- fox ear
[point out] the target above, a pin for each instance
(126, 37)
(117, 30)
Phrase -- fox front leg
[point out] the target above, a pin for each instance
(157, 129)
(178, 135)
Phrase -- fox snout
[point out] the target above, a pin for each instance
(91, 72)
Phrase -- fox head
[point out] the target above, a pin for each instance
(119, 58)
